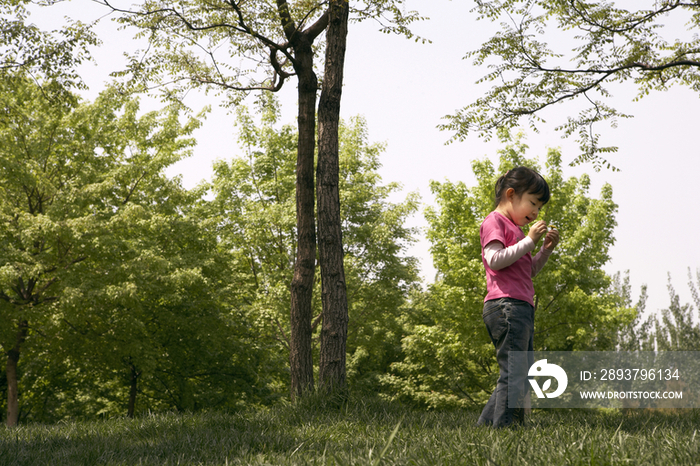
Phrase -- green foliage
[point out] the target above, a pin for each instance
(133, 287)
(670, 329)
(596, 43)
(675, 330)
(449, 358)
(635, 336)
(50, 56)
(192, 42)
(254, 206)
(117, 276)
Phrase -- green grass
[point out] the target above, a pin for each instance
(358, 434)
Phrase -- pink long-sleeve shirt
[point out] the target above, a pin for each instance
(506, 254)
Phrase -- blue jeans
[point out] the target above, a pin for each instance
(511, 324)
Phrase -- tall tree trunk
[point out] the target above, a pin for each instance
(11, 372)
(133, 389)
(300, 356)
(330, 242)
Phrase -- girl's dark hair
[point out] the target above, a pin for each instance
(522, 180)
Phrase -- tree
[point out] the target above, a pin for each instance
(597, 44)
(448, 356)
(675, 330)
(163, 322)
(380, 276)
(637, 335)
(67, 169)
(330, 238)
(28, 52)
(43, 56)
(253, 204)
(192, 44)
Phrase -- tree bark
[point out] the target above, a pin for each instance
(334, 297)
(11, 372)
(133, 389)
(300, 355)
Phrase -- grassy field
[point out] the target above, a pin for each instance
(361, 433)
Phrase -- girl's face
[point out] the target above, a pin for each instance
(521, 209)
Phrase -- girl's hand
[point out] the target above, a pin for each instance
(537, 231)
(551, 240)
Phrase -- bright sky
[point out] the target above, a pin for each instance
(404, 88)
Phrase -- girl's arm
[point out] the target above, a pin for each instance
(498, 257)
(550, 242)
(539, 260)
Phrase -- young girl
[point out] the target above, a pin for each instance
(509, 312)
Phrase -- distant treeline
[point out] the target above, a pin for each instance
(121, 292)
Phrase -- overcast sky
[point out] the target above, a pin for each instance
(403, 89)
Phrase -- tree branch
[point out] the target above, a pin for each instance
(285, 338)
(635, 22)
(316, 321)
(288, 26)
(555, 297)
(318, 27)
